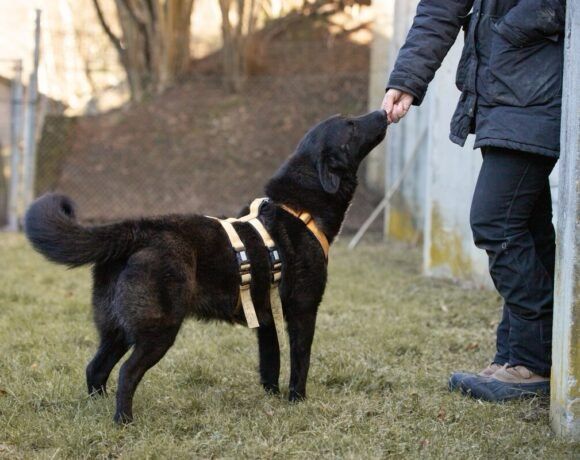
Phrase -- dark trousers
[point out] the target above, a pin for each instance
(511, 219)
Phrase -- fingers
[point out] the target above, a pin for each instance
(399, 111)
(388, 103)
(400, 106)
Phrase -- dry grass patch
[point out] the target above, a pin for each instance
(386, 341)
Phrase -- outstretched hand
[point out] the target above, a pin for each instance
(396, 103)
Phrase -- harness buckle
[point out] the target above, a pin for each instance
(245, 280)
(276, 264)
(243, 261)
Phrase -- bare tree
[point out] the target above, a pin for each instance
(243, 44)
(154, 44)
(236, 35)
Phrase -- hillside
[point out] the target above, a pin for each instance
(196, 148)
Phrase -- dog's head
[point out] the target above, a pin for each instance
(320, 176)
(336, 146)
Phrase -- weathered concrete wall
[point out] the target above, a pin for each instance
(452, 171)
(408, 139)
(433, 204)
(565, 391)
(383, 12)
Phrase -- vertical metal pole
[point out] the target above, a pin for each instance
(15, 146)
(30, 125)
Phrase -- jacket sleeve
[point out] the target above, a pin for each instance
(533, 20)
(434, 30)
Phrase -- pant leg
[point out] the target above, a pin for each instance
(508, 189)
(502, 355)
(542, 230)
(544, 236)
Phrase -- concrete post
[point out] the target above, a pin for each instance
(16, 101)
(30, 123)
(565, 391)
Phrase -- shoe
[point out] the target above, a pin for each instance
(456, 379)
(507, 383)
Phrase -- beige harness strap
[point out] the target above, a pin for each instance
(245, 273)
(245, 269)
(276, 270)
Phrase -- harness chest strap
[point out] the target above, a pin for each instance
(275, 262)
(276, 274)
(245, 272)
(245, 269)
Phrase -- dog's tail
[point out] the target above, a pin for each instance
(52, 229)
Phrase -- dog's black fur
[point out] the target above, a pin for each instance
(150, 274)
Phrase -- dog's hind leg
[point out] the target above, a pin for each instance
(301, 333)
(149, 349)
(269, 358)
(112, 348)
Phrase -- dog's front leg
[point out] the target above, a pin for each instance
(269, 358)
(301, 333)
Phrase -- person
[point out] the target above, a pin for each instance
(510, 78)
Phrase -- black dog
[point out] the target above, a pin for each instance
(150, 274)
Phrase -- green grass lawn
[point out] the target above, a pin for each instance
(386, 341)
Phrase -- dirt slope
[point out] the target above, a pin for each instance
(196, 148)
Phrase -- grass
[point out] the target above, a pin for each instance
(386, 341)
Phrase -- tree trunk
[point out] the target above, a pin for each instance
(236, 38)
(154, 43)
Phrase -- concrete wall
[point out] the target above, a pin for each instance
(432, 205)
(451, 176)
(434, 201)
(565, 391)
(383, 11)
(408, 139)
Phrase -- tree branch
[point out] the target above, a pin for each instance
(142, 27)
(140, 21)
(114, 39)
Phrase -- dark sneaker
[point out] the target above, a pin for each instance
(507, 383)
(457, 378)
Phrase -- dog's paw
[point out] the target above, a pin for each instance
(95, 391)
(121, 418)
(271, 388)
(295, 396)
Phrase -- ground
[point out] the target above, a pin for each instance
(386, 341)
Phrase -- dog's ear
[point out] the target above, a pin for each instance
(329, 177)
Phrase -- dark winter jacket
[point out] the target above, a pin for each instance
(510, 73)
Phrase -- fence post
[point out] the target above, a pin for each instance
(565, 386)
(15, 146)
(30, 124)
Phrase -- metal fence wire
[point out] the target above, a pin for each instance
(196, 147)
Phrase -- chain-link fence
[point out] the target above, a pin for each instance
(11, 127)
(198, 147)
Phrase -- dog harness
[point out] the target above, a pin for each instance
(244, 262)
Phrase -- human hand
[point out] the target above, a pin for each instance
(396, 103)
